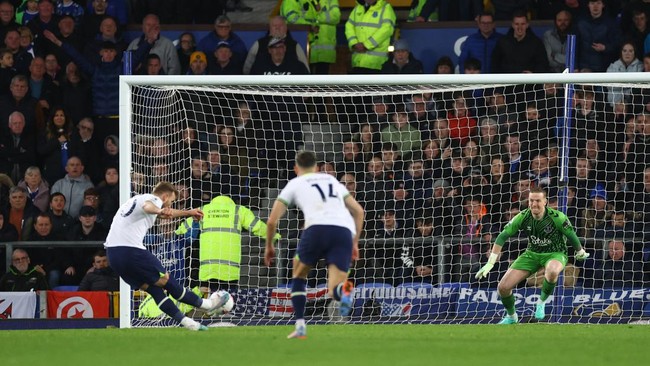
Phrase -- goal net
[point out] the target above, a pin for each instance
(439, 162)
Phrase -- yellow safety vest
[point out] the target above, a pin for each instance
(322, 45)
(220, 238)
(374, 28)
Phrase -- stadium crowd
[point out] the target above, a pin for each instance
(456, 165)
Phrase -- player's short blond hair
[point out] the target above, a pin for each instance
(165, 187)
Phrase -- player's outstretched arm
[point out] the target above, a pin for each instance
(168, 212)
(358, 215)
(278, 210)
(494, 255)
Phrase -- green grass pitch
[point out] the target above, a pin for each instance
(429, 345)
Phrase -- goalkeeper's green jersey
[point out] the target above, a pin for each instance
(547, 235)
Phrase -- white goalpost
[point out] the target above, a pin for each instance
(440, 163)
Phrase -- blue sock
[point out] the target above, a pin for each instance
(299, 297)
(182, 294)
(337, 292)
(165, 303)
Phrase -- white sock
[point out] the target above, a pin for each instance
(300, 323)
(206, 304)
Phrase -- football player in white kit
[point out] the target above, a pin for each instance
(333, 224)
(140, 268)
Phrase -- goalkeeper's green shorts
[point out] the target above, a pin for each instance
(532, 262)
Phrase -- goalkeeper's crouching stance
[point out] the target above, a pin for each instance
(548, 231)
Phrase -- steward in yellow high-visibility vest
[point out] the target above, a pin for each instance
(368, 31)
(220, 240)
(322, 16)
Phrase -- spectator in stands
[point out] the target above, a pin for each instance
(489, 141)
(417, 261)
(596, 214)
(17, 148)
(352, 160)
(472, 155)
(160, 45)
(222, 61)
(520, 50)
(583, 181)
(108, 32)
(481, 44)
(90, 23)
(38, 191)
(88, 148)
(622, 268)
(638, 33)
(118, 9)
(462, 126)
(618, 226)
(61, 221)
(76, 94)
(22, 275)
(73, 185)
(372, 193)
(101, 276)
(198, 64)
(7, 18)
(516, 160)
(111, 153)
(432, 158)
(350, 183)
(8, 232)
(53, 69)
(555, 41)
(21, 101)
(499, 185)
(86, 229)
(46, 20)
(41, 86)
(105, 80)
(440, 132)
(277, 30)
(540, 173)
(234, 155)
(21, 212)
(56, 261)
(7, 70)
(628, 62)
(109, 196)
(378, 115)
(444, 66)
(368, 140)
(638, 155)
(401, 60)
(223, 33)
(22, 58)
(152, 65)
(598, 38)
(400, 133)
(92, 199)
(54, 147)
(423, 110)
(278, 63)
(499, 109)
(71, 8)
(322, 17)
(472, 226)
(457, 173)
(186, 46)
(368, 31)
(418, 186)
(67, 34)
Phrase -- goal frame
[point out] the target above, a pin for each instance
(127, 81)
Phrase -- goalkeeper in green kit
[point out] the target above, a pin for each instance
(548, 231)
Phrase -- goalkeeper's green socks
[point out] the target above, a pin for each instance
(547, 290)
(509, 303)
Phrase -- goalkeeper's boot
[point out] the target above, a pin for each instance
(510, 319)
(347, 290)
(219, 299)
(193, 325)
(540, 311)
(300, 332)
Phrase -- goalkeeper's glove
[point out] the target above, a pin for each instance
(483, 272)
(581, 255)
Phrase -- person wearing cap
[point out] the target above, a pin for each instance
(105, 80)
(322, 16)
(480, 45)
(223, 62)
(401, 60)
(198, 63)
(86, 229)
(278, 64)
(277, 29)
(223, 33)
(368, 31)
